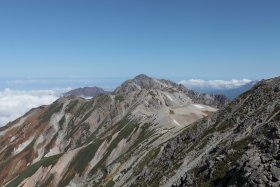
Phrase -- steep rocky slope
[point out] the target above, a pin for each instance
(143, 81)
(236, 146)
(98, 142)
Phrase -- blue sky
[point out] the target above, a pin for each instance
(93, 39)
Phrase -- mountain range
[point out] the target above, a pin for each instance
(147, 132)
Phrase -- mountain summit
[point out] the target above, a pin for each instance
(144, 82)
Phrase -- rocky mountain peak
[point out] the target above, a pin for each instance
(142, 77)
(143, 81)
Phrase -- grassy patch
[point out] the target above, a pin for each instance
(220, 171)
(146, 160)
(30, 170)
(144, 135)
(71, 106)
(119, 98)
(54, 108)
(84, 157)
(223, 126)
(61, 122)
(85, 107)
(48, 181)
(80, 162)
(110, 184)
(125, 128)
(51, 143)
(241, 144)
(203, 143)
(277, 117)
(229, 109)
(101, 100)
(87, 115)
(123, 134)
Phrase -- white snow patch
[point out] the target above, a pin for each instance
(12, 138)
(169, 97)
(22, 146)
(40, 152)
(39, 140)
(198, 106)
(176, 122)
(53, 151)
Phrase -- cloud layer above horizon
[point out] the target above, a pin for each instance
(15, 103)
(214, 84)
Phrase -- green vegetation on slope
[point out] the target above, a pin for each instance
(54, 108)
(146, 160)
(80, 162)
(30, 170)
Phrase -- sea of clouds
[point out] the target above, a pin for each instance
(214, 84)
(15, 103)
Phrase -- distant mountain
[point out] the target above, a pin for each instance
(230, 93)
(86, 92)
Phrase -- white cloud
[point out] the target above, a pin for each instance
(214, 84)
(15, 103)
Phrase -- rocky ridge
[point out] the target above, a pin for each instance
(236, 146)
(97, 142)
